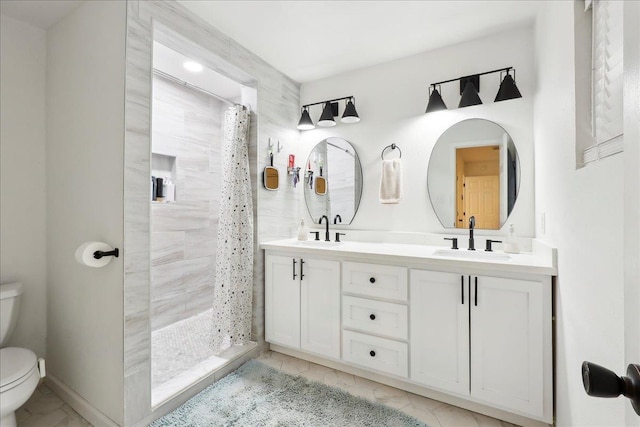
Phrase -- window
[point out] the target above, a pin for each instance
(607, 79)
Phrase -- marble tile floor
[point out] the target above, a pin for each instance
(46, 409)
(431, 412)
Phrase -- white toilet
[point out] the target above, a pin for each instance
(19, 372)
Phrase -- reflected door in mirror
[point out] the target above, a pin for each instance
(474, 171)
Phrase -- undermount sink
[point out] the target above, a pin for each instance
(465, 254)
(318, 243)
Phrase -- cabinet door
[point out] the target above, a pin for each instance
(320, 307)
(282, 300)
(507, 348)
(439, 324)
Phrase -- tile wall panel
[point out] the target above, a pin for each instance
(274, 114)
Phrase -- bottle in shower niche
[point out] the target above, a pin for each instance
(170, 190)
(159, 190)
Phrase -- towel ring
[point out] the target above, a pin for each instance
(393, 147)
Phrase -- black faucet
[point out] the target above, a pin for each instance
(472, 223)
(326, 234)
(337, 219)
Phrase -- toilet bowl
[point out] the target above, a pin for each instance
(19, 376)
(19, 367)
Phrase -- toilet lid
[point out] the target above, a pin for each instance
(15, 363)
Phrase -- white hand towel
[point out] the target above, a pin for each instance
(391, 181)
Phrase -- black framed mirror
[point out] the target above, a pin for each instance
(333, 181)
(474, 170)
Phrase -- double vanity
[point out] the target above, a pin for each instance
(473, 329)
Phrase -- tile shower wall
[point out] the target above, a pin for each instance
(275, 113)
(186, 125)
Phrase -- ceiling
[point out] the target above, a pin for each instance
(39, 13)
(310, 40)
(171, 62)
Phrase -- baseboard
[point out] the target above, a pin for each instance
(79, 404)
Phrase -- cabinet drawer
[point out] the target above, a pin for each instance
(376, 353)
(382, 281)
(382, 318)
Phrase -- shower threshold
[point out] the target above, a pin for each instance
(182, 357)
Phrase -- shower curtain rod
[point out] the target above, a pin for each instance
(190, 86)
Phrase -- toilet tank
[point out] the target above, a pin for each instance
(9, 306)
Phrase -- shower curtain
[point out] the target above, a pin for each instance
(233, 287)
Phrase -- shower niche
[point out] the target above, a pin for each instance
(163, 178)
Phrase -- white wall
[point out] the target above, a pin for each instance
(391, 99)
(631, 192)
(85, 142)
(583, 215)
(22, 169)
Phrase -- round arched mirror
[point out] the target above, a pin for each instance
(333, 181)
(474, 170)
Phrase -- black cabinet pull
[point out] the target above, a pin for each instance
(372, 280)
(294, 269)
(462, 288)
(372, 316)
(301, 267)
(476, 292)
(372, 353)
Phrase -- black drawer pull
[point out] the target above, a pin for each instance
(372, 280)
(372, 353)
(372, 316)
(294, 269)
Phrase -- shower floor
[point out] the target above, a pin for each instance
(181, 355)
(180, 346)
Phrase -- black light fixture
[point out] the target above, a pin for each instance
(329, 111)
(508, 88)
(470, 88)
(305, 122)
(326, 118)
(350, 114)
(470, 94)
(435, 100)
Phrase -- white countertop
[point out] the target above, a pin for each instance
(541, 261)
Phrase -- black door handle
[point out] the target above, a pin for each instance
(294, 269)
(476, 291)
(601, 382)
(301, 267)
(462, 288)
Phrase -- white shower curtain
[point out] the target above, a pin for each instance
(233, 287)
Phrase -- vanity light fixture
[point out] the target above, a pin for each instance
(326, 118)
(329, 111)
(305, 122)
(470, 87)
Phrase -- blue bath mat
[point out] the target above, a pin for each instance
(258, 395)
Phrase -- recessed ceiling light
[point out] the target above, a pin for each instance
(193, 66)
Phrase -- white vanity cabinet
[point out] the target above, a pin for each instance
(473, 332)
(302, 303)
(484, 337)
